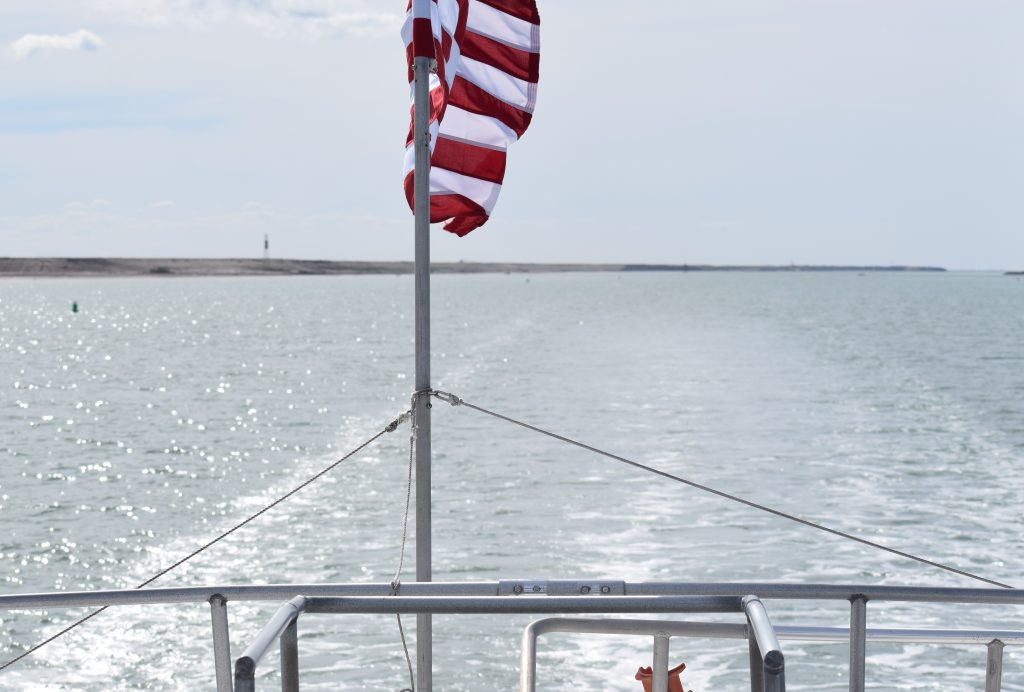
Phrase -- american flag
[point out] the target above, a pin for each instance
(481, 99)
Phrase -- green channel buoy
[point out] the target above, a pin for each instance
(74, 306)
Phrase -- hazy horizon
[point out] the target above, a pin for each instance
(513, 260)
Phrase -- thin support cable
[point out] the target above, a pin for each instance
(396, 581)
(408, 659)
(390, 427)
(456, 401)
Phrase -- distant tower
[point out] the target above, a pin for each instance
(266, 246)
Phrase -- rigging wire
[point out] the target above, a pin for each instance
(456, 401)
(408, 660)
(396, 581)
(390, 427)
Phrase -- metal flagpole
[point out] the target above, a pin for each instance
(421, 202)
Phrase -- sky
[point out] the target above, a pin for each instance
(666, 131)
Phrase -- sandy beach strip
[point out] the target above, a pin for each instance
(170, 267)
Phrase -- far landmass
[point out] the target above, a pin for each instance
(115, 266)
(1020, 273)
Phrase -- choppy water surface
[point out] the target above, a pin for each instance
(163, 412)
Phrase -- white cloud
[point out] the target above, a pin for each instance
(98, 203)
(309, 18)
(31, 43)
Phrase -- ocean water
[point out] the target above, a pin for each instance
(166, 410)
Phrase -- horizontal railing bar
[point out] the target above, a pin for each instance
(265, 592)
(907, 636)
(830, 592)
(711, 630)
(722, 630)
(277, 592)
(525, 604)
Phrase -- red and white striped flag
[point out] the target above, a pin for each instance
(481, 99)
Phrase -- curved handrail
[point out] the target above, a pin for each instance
(282, 621)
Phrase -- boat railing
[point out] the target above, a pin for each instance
(284, 628)
(767, 664)
(536, 597)
(662, 630)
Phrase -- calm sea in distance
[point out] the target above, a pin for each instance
(166, 410)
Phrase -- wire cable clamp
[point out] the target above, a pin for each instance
(449, 397)
(393, 425)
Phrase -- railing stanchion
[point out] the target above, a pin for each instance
(290, 657)
(221, 642)
(756, 665)
(770, 658)
(528, 658)
(994, 668)
(245, 675)
(659, 667)
(858, 641)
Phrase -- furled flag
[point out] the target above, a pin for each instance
(481, 99)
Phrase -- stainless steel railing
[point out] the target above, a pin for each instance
(567, 596)
(283, 626)
(993, 640)
(661, 631)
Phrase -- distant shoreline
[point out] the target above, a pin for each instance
(171, 267)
